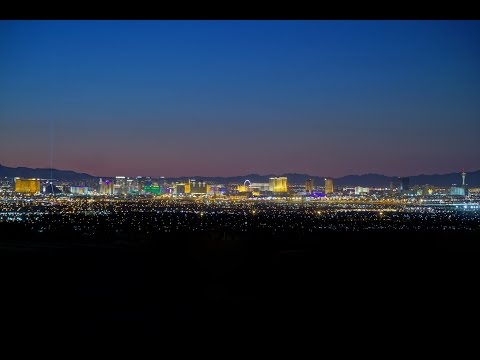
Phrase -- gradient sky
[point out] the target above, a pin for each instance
(221, 98)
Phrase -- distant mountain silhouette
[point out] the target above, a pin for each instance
(25, 172)
(377, 180)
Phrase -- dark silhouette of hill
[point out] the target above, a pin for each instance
(249, 280)
(473, 178)
(25, 172)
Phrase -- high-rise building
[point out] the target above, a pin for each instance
(460, 191)
(328, 185)
(141, 182)
(130, 186)
(309, 185)
(278, 184)
(106, 187)
(404, 184)
(198, 187)
(120, 186)
(27, 186)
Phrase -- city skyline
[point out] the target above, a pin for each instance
(460, 172)
(226, 98)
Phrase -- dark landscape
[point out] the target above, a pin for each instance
(180, 282)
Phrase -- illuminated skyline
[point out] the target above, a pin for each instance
(210, 98)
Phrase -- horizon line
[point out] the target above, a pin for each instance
(220, 176)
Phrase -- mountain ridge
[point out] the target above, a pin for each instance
(370, 179)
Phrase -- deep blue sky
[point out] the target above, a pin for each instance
(172, 98)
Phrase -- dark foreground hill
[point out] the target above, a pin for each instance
(182, 285)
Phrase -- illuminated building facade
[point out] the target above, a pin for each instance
(361, 190)
(153, 189)
(141, 182)
(199, 187)
(309, 185)
(216, 189)
(131, 186)
(253, 188)
(328, 186)
(106, 187)
(457, 191)
(260, 187)
(120, 186)
(423, 190)
(278, 184)
(79, 190)
(27, 186)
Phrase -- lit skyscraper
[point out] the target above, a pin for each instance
(309, 185)
(28, 186)
(106, 187)
(328, 185)
(278, 184)
(120, 185)
(130, 186)
(141, 182)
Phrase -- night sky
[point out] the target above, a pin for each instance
(222, 98)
